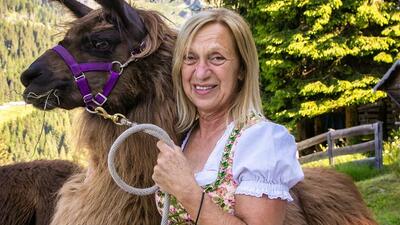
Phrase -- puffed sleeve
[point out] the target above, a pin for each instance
(265, 161)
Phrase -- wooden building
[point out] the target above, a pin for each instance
(390, 83)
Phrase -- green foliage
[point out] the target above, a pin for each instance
(27, 29)
(5, 155)
(391, 152)
(317, 56)
(340, 93)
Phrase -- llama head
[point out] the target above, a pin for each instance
(108, 36)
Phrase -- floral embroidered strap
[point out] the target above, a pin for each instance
(221, 191)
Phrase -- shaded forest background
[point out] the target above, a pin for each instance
(27, 29)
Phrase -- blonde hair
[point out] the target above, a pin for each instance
(248, 100)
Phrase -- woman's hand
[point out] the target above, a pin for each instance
(173, 173)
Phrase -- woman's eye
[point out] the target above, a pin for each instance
(101, 45)
(217, 60)
(189, 60)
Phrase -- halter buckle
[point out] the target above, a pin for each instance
(87, 98)
(99, 99)
(80, 76)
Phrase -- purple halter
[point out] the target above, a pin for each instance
(78, 71)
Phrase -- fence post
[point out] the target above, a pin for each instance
(378, 144)
(330, 147)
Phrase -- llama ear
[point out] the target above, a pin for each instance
(77, 8)
(126, 14)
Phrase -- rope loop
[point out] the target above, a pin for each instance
(154, 131)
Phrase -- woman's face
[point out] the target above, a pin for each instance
(210, 69)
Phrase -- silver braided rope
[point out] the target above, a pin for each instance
(155, 131)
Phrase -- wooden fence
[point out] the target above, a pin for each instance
(332, 151)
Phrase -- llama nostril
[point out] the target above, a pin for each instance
(29, 74)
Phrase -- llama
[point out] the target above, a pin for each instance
(29, 189)
(143, 94)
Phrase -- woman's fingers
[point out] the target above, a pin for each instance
(164, 147)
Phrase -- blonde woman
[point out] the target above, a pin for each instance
(234, 166)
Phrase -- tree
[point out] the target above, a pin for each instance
(27, 28)
(318, 56)
(5, 156)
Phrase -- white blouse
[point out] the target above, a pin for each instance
(264, 161)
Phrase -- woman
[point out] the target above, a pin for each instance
(236, 167)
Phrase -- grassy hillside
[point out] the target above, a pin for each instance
(27, 29)
(33, 134)
(382, 195)
(14, 111)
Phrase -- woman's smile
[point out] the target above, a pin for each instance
(204, 89)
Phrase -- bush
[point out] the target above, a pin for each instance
(391, 152)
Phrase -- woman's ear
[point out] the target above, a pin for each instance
(242, 73)
(241, 76)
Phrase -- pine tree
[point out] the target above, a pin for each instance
(318, 56)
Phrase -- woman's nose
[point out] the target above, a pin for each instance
(202, 70)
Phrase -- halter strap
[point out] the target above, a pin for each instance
(78, 71)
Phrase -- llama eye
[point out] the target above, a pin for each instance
(101, 45)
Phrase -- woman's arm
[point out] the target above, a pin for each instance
(174, 175)
(249, 210)
(255, 210)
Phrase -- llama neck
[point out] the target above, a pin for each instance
(136, 157)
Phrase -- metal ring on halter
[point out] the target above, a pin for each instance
(120, 67)
(90, 111)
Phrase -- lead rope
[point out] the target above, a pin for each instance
(151, 129)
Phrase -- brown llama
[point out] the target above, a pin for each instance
(29, 190)
(143, 94)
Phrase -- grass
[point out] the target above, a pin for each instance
(360, 172)
(382, 195)
(13, 112)
(380, 188)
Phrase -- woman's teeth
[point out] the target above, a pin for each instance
(203, 87)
